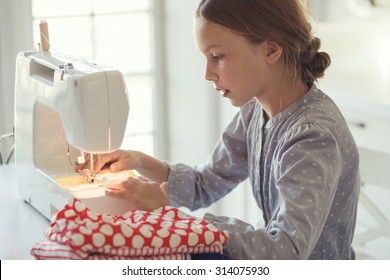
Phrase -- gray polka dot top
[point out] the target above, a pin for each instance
(303, 166)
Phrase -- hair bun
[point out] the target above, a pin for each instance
(314, 63)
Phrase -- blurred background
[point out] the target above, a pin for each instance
(177, 116)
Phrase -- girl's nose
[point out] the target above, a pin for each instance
(210, 74)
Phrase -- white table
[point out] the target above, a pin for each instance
(21, 226)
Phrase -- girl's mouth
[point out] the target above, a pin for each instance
(224, 92)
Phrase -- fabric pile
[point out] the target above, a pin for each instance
(76, 232)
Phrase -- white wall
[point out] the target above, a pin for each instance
(197, 114)
(15, 16)
(193, 111)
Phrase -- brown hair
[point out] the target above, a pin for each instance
(281, 21)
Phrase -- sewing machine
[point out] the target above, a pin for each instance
(66, 107)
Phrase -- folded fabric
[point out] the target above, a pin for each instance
(52, 250)
(166, 233)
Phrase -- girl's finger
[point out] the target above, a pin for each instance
(115, 184)
(128, 186)
(119, 193)
(164, 188)
(80, 166)
(134, 181)
(143, 179)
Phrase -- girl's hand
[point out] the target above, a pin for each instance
(140, 192)
(117, 161)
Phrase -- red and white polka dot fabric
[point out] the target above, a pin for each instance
(77, 233)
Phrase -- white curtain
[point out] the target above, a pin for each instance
(15, 36)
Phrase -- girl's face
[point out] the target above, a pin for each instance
(237, 68)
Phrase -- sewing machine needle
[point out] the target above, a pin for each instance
(91, 168)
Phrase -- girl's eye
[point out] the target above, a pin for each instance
(217, 57)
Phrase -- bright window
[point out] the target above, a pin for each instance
(115, 32)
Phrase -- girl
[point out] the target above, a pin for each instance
(289, 138)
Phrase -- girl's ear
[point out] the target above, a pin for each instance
(273, 51)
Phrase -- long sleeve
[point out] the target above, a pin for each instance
(305, 176)
(303, 166)
(227, 166)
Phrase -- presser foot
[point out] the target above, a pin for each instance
(92, 177)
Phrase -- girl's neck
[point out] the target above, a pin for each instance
(282, 95)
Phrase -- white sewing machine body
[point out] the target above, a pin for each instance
(65, 106)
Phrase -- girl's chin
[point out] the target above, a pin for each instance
(237, 102)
